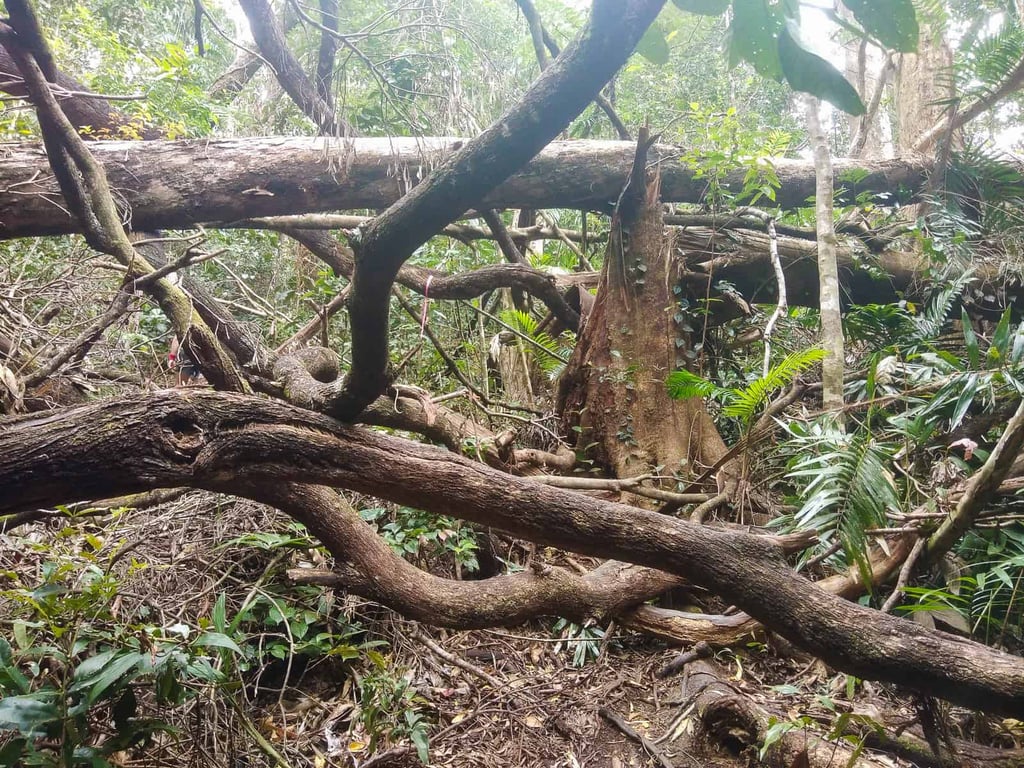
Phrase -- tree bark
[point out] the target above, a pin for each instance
(229, 443)
(178, 184)
(833, 366)
(612, 393)
(924, 89)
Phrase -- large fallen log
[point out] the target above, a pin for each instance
(178, 184)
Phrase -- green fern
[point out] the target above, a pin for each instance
(743, 404)
(541, 348)
(683, 384)
(929, 324)
(849, 489)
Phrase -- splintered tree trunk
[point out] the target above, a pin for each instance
(613, 392)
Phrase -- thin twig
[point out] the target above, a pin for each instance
(904, 577)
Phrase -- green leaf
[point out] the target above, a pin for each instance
(28, 714)
(963, 403)
(419, 738)
(218, 640)
(21, 635)
(653, 46)
(104, 675)
(219, 614)
(744, 403)
(753, 37)
(970, 340)
(806, 71)
(684, 384)
(93, 665)
(1000, 347)
(892, 22)
(703, 7)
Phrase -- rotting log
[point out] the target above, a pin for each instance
(178, 184)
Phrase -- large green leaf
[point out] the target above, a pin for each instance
(892, 22)
(808, 72)
(703, 7)
(653, 46)
(104, 670)
(28, 714)
(753, 37)
(218, 640)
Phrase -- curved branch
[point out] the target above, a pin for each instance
(381, 575)
(551, 102)
(464, 285)
(228, 443)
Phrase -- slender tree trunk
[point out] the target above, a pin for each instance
(828, 269)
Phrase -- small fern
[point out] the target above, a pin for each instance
(930, 322)
(549, 356)
(683, 384)
(743, 403)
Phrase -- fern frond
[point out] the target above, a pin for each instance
(745, 403)
(683, 384)
(519, 320)
(929, 324)
(545, 351)
(849, 490)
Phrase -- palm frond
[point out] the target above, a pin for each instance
(985, 64)
(849, 489)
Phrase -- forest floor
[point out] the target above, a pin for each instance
(344, 682)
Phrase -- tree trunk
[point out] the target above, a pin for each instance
(226, 442)
(924, 87)
(177, 184)
(613, 391)
(833, 365)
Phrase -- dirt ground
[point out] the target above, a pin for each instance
(522, 696)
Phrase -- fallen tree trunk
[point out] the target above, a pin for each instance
(736, 723)
(178, 184)
(230, 443)
(740, 257)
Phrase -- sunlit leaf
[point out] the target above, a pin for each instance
(809, 73)
(653, 46)
(753, 37)
(892, 22)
